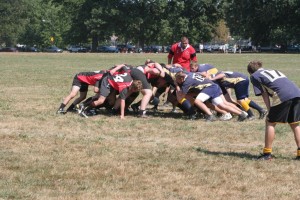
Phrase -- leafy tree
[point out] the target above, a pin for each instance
(12, 21)
(265, 21)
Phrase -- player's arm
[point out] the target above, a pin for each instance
(170, 56)
(116, 68)
(159, 67)
(217, 77)
(266, 99)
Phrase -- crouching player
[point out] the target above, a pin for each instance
(111, 85)
(80, 84)
(205, 90)
(285, 107)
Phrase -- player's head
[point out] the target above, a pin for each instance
(184, 42)
(136, 86)
(193, 66)
(179, 77)
(253, 66)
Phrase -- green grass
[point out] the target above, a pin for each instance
(46, 156)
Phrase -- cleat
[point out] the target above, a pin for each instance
(135, 107)
(143, 116)
(242, 116)
(61, 111)
(210, 118)
(81, 108)
(250, 118)
(83, 114)
(262, 114)
(154, 109)
(174, 110)
(265, 157)
(225, 117)
(193, 117)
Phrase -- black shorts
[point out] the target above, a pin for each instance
(136, 74)
(286, 112)
(83, 86)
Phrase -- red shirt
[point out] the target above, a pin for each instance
(182, 56)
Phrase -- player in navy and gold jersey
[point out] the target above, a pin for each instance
(205, 89)
(240, 84)
(285, 105)
(204, 69)
(80, 84)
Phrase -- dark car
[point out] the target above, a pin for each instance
(126, 48)
(31, 49)
(53, 49)
(108, 49)
(153, 49)
(9, 49)
(293, 48)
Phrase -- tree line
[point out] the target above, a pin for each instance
(145, 22)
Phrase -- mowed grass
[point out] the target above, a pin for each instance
(48, 156)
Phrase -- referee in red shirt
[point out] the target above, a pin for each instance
(182, 53)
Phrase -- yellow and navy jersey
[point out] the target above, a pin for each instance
(195, 81)
(208, 68)
(231, 79)
(276, 84)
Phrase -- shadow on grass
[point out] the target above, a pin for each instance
(244, 155)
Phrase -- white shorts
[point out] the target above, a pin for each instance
(204, 97)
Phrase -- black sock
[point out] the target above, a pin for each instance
(252, 104)
(250, 113)
(71, 107)
(62, 106)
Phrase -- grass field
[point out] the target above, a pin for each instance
(49, 156)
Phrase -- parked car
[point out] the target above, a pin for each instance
(53, 49)
(28, 49)
(77, 49)
(126, 48)
(108, 49)
(293, 48)
(153, 49)
(9, 49)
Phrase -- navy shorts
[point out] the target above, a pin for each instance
(286, 112)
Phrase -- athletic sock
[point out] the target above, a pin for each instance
(245, 105)
(250, 113)
(187, 107)
(267, 151)
(62, 106)
(71, 107)
(252, 104)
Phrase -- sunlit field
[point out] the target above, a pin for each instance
(48, 156)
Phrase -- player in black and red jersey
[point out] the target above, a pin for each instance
(80, 84)
(113, 83)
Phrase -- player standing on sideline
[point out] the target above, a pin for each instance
(285, 107)
(182, 53)
(80, 84)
